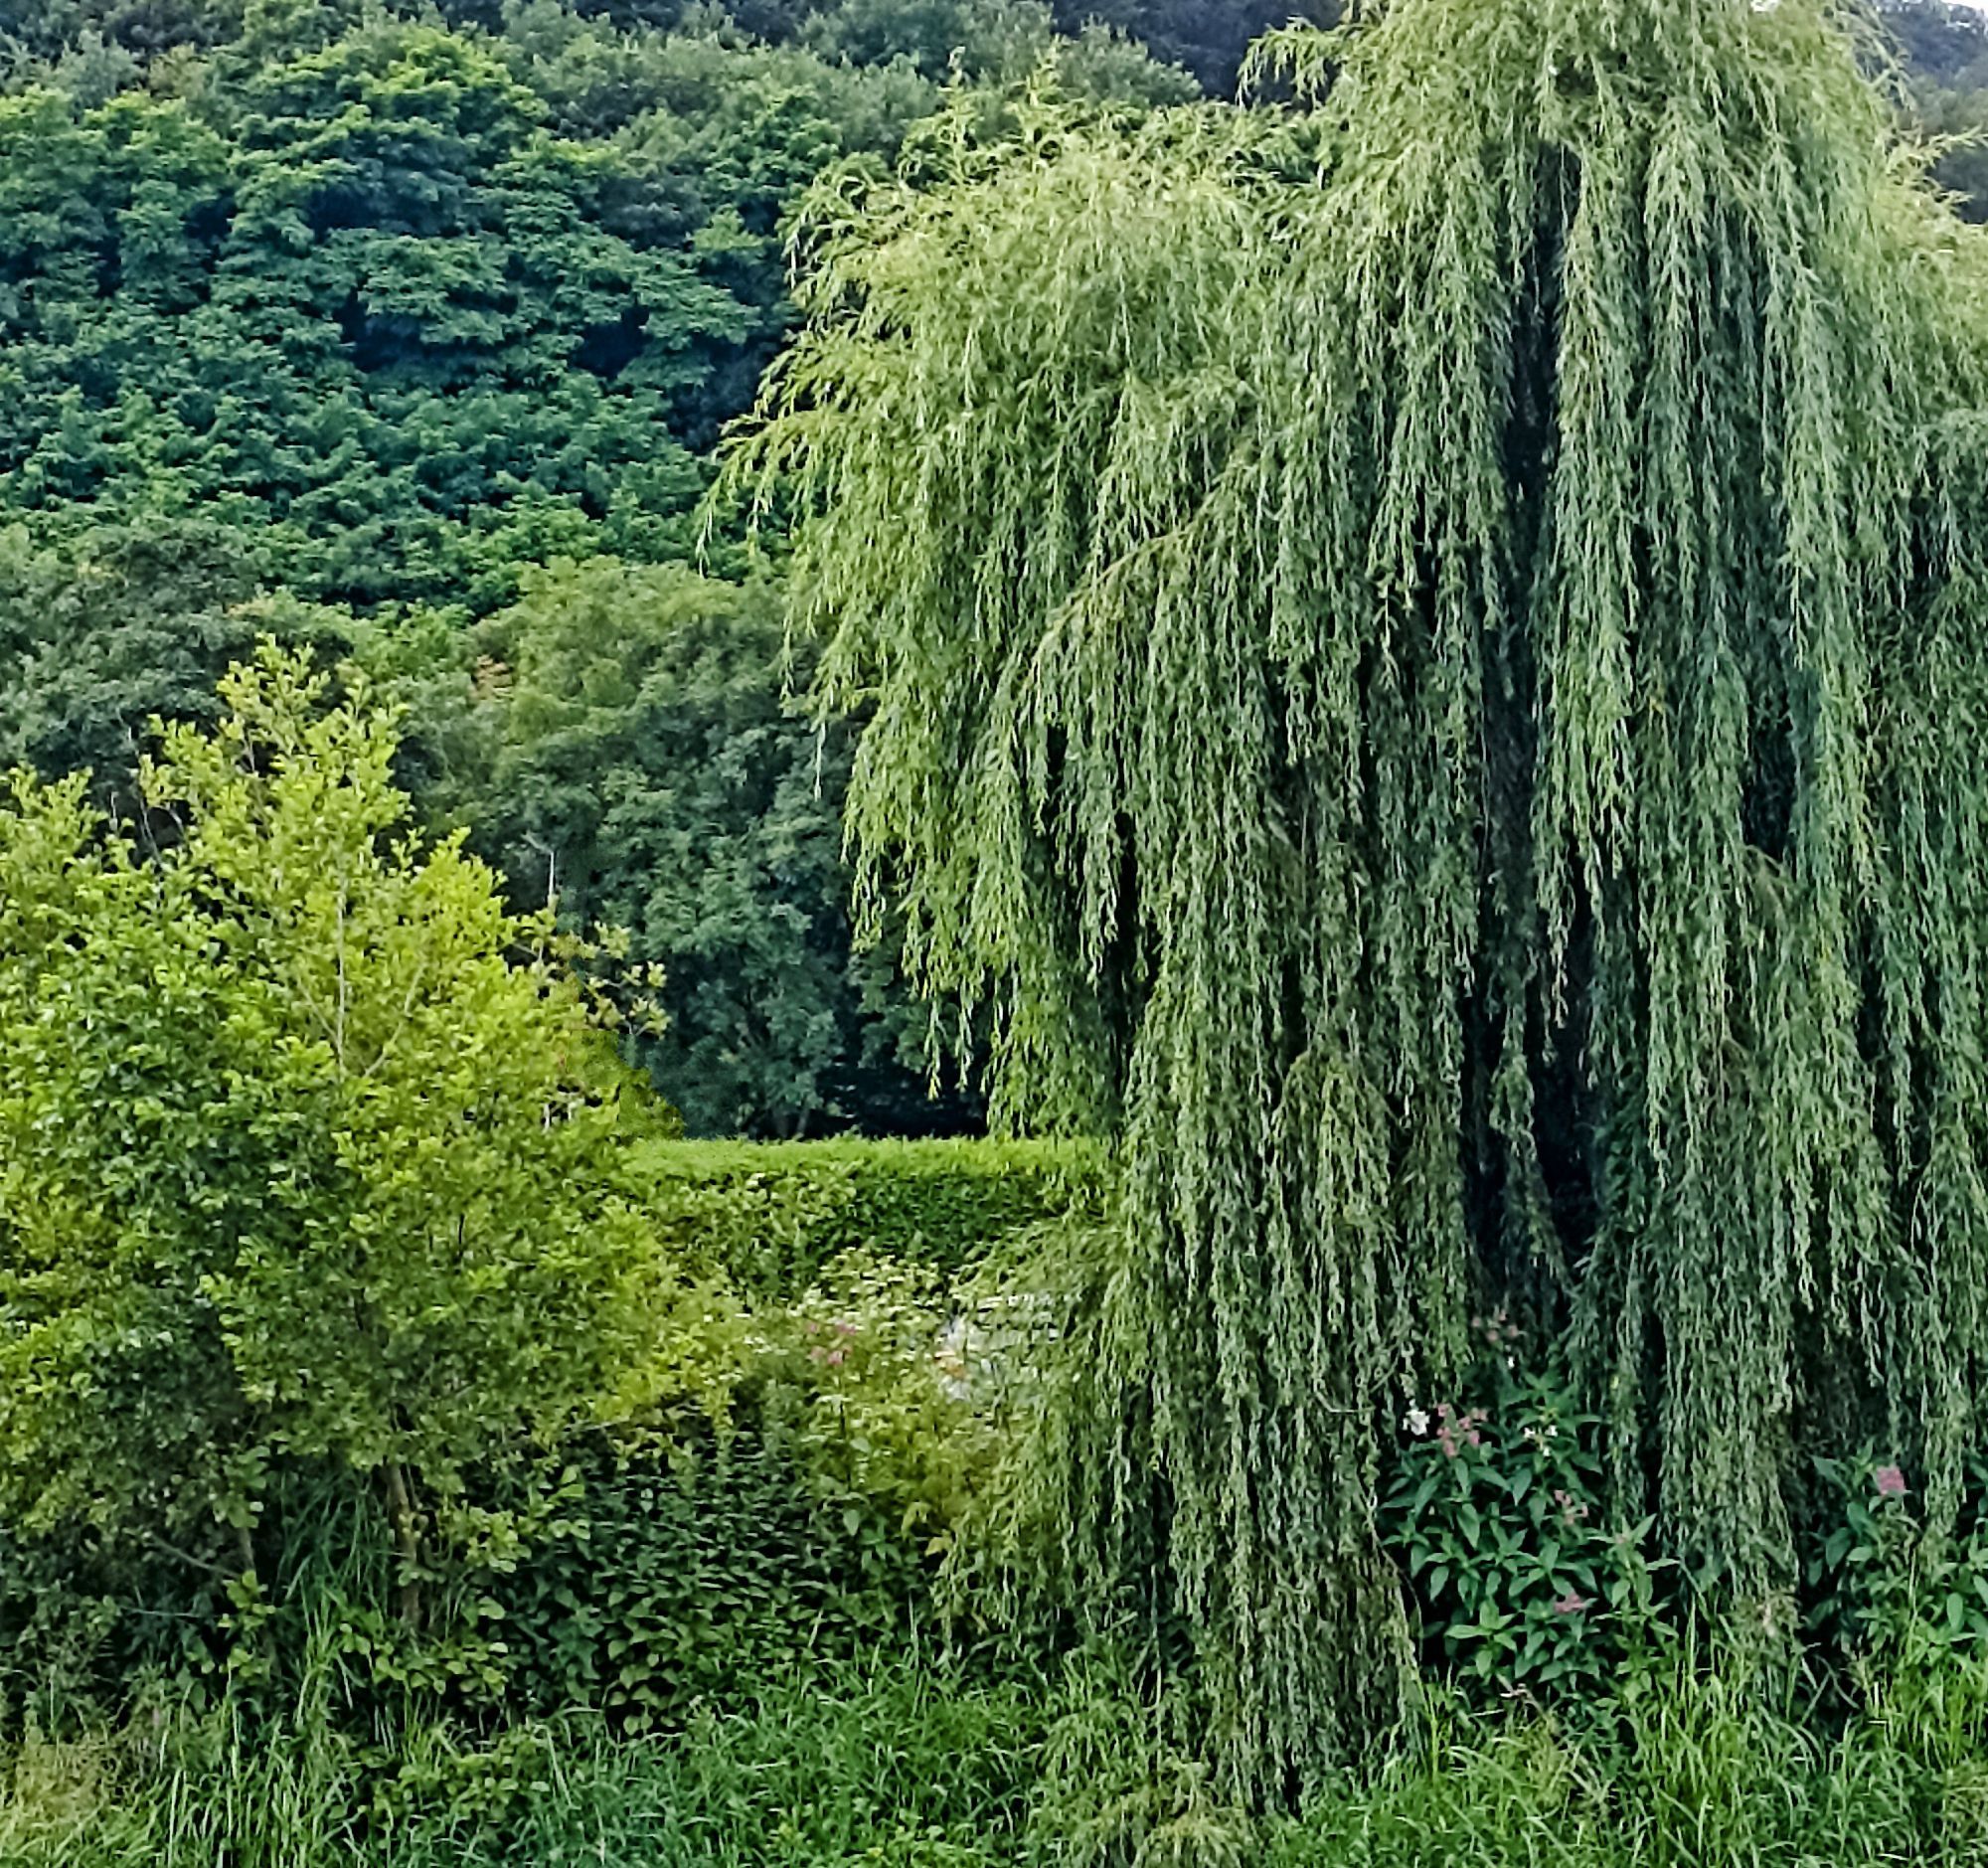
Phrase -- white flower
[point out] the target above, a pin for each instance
(1417, 1421)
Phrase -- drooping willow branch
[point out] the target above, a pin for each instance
(1422, 657)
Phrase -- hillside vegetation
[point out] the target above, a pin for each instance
(949, 931)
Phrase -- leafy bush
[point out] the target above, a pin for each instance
(1521, 1576)
(303, 1156)
(690, 1569)
(1875, 1586)
(680, 1564)
(875, 1399)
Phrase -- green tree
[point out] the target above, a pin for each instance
(1942, 60)
(1944, 44)
(1436, 689)
(1207, 37)
(724, 134)
(360, 303)
(648, 771)
(419, 306)
(125, 625)
(1002, 41)
(298, 1159)
(141, 27)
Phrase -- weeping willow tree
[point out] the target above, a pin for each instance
(1423, 658)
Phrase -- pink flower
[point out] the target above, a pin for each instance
(833, 1357)
(1572, 1604)
(1891, 1482)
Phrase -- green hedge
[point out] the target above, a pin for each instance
(773, 1214)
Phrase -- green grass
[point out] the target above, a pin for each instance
(897, 1766)
(1694, 1767)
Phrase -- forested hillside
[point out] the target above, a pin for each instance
(408, 336)
(1943, 50)
(407, 333)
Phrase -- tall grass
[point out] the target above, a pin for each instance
(894, 1765)
(177, 1784)
(1694, 1764)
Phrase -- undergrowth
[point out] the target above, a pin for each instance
(1696, 1759)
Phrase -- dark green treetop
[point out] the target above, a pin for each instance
(627, 743)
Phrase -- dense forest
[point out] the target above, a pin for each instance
(409, 333)
(408, 336)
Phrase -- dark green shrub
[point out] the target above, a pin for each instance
(80, 1619)
(1523, 1576)
(692, 1569)
(641, 1575)
(100, 1626)
(1875, 1587)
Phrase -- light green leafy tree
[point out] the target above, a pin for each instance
(307, 1149)
(1424, 656)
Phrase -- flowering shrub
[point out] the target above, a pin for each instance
(1873, 1585)
(1520, 1582)
(879, 1386)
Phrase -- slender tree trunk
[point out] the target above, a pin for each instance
(407, 1543)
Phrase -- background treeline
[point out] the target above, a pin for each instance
(407, 333)
(1944, 51)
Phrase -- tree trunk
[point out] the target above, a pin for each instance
(407, 1543)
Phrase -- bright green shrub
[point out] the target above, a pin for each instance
(773, 1215)
(680, 1564)
(298, 1162)
(897, 1390)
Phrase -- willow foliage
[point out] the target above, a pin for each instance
(1422, 654)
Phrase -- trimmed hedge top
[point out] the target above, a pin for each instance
(774, 1214)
